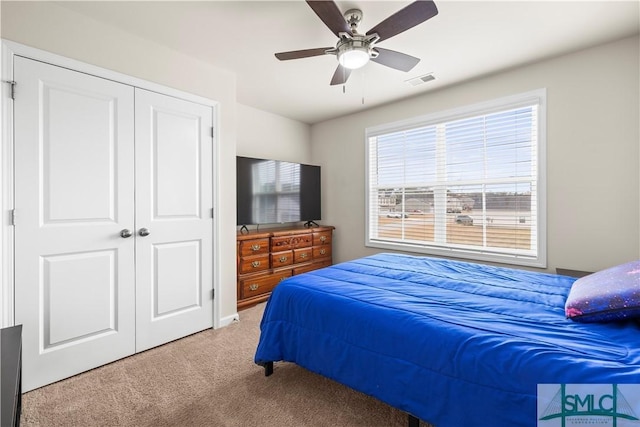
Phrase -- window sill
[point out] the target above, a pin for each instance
(465, 255)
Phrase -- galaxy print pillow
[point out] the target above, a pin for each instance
(608, 295)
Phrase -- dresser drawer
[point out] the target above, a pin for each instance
(311, 267)
(254, 264)
(281, 259)
(261, 284)
(302, 255)
(254, 247)
(304, 269)
(321, 252)
(282, 243)
(322, 238)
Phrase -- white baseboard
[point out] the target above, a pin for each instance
(226, 321)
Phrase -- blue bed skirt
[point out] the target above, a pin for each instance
(452, 343)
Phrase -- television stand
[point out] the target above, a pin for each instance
(244, 230)
(310, 224)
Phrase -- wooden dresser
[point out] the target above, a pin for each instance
(267, 257)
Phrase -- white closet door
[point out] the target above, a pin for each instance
(174, 201)
(74, 194)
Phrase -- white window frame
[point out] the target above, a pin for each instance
(539, 258)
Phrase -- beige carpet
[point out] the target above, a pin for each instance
(206, 379)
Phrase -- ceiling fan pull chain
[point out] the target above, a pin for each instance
(364, 84)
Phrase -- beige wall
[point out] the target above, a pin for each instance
(47, 26)
(268, 136)
(593, 192)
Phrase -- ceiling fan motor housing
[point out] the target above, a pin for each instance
(354, 51)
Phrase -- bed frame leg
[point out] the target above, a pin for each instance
(413, 421)
(268, 369)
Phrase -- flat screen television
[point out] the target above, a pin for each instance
(274, 191)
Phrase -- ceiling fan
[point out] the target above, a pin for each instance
(354, 49)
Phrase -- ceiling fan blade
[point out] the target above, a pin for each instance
(412, 15)
(340, 76)
(399, 61)
(329, 13)
(305, 53)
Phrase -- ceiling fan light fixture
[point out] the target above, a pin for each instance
(353, 58)
(354, 49)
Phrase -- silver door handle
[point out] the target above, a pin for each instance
(144, 232)
(126, 233)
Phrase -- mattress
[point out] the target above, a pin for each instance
(452, 343)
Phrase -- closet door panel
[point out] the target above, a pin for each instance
(176, 263)
(78, 137)
(74, 194)
(174, 202)
(176, 165)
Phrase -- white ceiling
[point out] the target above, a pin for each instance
(465, 40)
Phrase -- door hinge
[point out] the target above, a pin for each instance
(212, 213)
(212, 132)
(213, 294)
(13, 217)
(12, 90)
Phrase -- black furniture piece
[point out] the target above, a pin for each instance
(10, 376)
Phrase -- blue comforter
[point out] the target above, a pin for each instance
(453, 343)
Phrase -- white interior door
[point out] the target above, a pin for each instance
(174, 203)
(74, 194)
(100, 275)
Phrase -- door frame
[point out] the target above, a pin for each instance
(9, 51)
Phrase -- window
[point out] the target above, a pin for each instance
(467, 183)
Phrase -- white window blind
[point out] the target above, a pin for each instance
(465, 183)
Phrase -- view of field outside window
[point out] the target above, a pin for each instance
(469, 183)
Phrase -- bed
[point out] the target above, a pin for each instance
(451, 343)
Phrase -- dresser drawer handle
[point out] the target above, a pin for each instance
(255, 264)
(283, 259)
(323, 239)
(255, 247)
(323, 251)
(303, 255)
(254, 287)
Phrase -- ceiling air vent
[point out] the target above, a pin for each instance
(419, 80)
